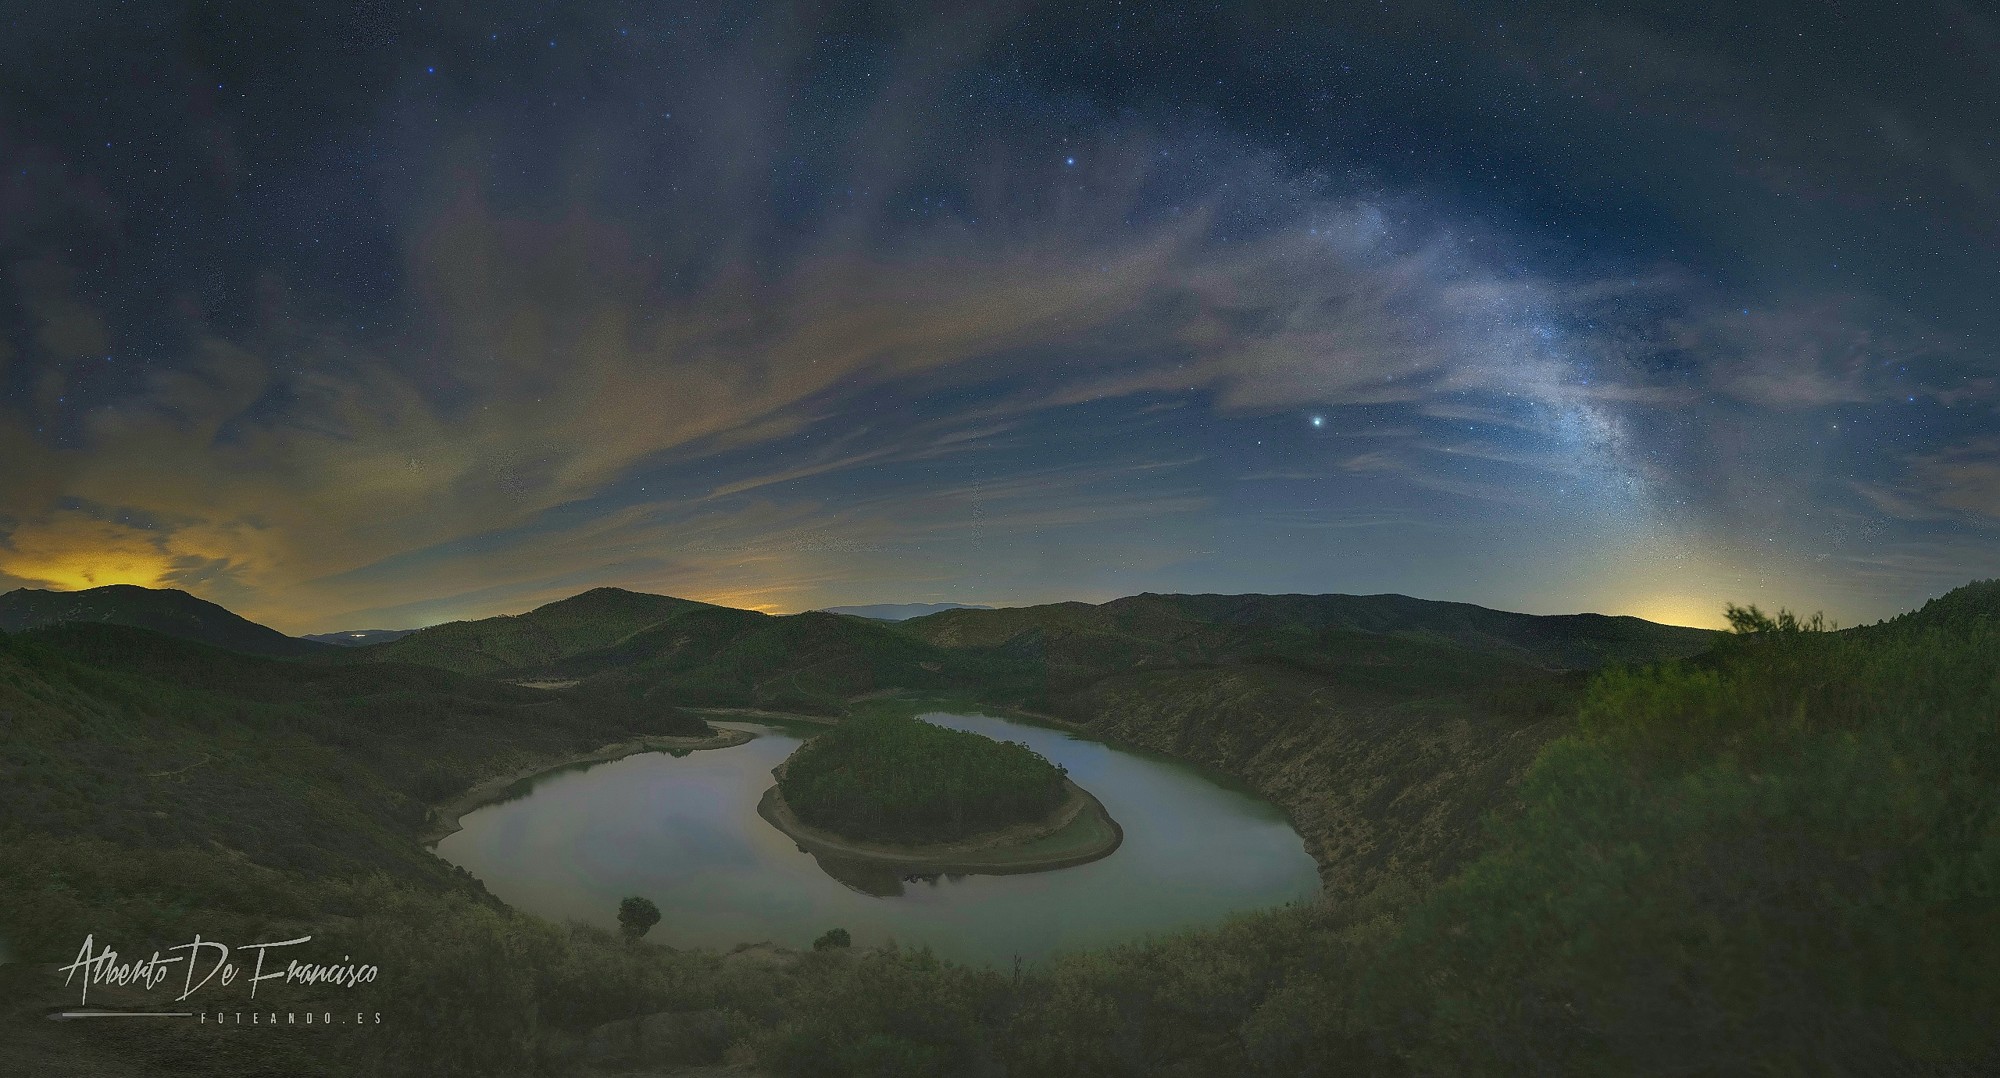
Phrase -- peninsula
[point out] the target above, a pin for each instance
(900, 791)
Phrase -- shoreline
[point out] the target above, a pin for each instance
(444, 818)
(993, 853)
(759, 713)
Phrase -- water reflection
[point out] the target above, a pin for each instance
(685, 833)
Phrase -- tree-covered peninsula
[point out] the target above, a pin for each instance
(898, 779)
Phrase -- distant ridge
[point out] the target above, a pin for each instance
(1553, 641)
(590, 621)
(359, 638)
(899, 611)
(168, 611)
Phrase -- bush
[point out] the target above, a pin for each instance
(637, 916)
(1783, 860)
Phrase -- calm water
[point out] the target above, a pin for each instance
(685, 833)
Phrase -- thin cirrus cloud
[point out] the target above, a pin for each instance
(569, 366)
(972, 366)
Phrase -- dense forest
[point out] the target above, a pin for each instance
(892, 778)
(1781, 856)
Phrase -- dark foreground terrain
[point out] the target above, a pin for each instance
(1776, 854)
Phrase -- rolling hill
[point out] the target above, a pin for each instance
(1773, 857)
(1207, 624)
(236, 734)
(899, 611)
(589, 621)
(163, 610)
(357, 638)
(1381, 723)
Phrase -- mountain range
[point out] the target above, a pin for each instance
(899, 611)
(355, 638)
(1521, 871)
(1366, 717)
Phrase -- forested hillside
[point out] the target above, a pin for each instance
(1776, 857)
(594, 619)
(1383, 724)
(1193, 627)
(162, 610)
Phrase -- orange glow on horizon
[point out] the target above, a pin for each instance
(84, 577)
(72, 553)
(742, 601)
(1695, 613)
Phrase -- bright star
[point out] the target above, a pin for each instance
(1319, 421)
(1069, 160)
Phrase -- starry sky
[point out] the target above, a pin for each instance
(378, 315)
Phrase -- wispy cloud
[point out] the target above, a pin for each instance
(666, 360)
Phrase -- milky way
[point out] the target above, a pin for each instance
(347, 319)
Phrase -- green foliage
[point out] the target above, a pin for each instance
(595, 619)
(1971, 606)
(1308, 628)
(637, 916)
(168, 611)
(1781, 858)
(886, 1012)
(832, 939)
(893, 778)
(1786, 862)
(1747, 620)
(1034, 657)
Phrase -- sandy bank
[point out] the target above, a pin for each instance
(757, 713)
(1077, 832)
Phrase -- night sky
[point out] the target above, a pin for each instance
(389, 315)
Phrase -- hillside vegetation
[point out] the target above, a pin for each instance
(811, 663)
(594, 619)
(162, 610)
(890, 778)
(1777, 857)
(1382, 724)
(1207, 626)
(143, 739)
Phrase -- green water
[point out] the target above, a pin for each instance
(685, 833)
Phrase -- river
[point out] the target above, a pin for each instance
(684, 832)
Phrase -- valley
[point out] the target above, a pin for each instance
(1438, 763)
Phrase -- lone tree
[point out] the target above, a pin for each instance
(835, 937)
(636, 915)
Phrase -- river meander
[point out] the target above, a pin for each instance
(684, 831)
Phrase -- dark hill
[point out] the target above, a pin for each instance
(349, 753)
(591, 621)
(1384, 724)
(1965, 607)
(162, 610)
(1191, 622)
(899, 611)
(1810, 814)
(358, 638)
(812, 662)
